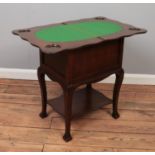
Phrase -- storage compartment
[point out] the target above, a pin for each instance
(91, 60)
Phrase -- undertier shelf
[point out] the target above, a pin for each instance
(83, 102)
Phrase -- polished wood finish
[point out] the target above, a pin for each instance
(56, 47)
(68, 95)
(81, 66)
(94, 61)
(84, 101)
(78, 66)
(22, 130)
(118, 83)
(41, 79)
(73, 64)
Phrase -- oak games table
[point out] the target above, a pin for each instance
(79, 52)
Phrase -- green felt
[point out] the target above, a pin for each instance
(77, 31)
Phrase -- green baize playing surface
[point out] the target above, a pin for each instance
(77, 31)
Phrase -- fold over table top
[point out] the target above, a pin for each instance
(68, 35)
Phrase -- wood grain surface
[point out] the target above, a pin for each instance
(21, 129)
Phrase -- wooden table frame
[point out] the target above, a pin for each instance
(73, 64)
(69, 85)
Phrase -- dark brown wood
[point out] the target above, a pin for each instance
(81, 66)
(68, 94)
(41, 79)
(104, 60)
(79, 63)
(118, 83)
(85, 65)
(92, 60)
(52, 47)
(84, 101)
(89, 88)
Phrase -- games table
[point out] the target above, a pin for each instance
(79, 52)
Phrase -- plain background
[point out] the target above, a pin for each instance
(139, 50)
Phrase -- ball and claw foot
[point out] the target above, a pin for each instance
(67, 137)
(115, 115)
(43, 114)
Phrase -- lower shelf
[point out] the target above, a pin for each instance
(83, 102)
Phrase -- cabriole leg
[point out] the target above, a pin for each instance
(42, 83)
(68, 95)
(118, 83)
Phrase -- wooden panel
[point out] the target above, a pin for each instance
(145, 98)
(32, 90)
(31, 95)
(93, 59)
(127, 100)
(139, 88)
(100, 139)
(32, 135)
(138, 97)
(134, 101)
(58, 62)
(5, 81)
(107, 125)
(29, 90)
(128, 115)
(11, 146)
(122, 97)
(20, 98)
(24, 82)
(136, 106)
(66, 148)
(126, 87)
(18, 82)
(99, 86)
(21, 129)
(23, 115)
(3, 88)
(125, 115)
